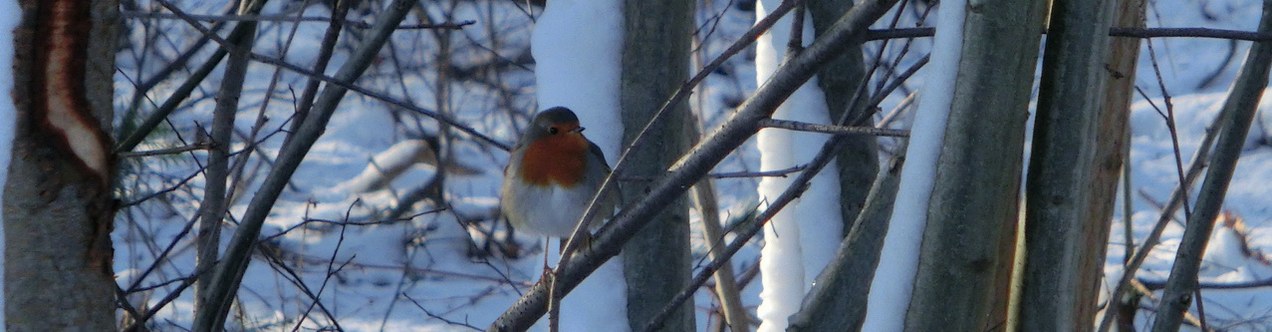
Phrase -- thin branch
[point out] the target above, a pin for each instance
(1259, 283)
(165, 151)
(832, 129)
(285, 18)
(881, 34)
(778, 173)
(430, 314)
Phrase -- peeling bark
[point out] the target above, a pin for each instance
(58, 209)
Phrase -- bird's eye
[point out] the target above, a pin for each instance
(553, 130)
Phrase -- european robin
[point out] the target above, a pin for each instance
(552, 175)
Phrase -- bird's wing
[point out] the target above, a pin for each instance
(596, 150)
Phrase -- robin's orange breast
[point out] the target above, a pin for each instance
(559, 159)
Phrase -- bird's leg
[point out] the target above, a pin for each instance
(546, 246)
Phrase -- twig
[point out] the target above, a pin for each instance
(346, 223)
(884, 34)
(437, 317)
(832, 129)
(778, 173)
(291, 276)
(285, 18)
(165, 191)
(165, 151)
(1259, 283)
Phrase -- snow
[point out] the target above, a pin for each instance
(577, 50)
(894, 278)
(387, 165)
(9, 19)
(1155, 175)
(577, 47)
(430, 257)
(801, 239)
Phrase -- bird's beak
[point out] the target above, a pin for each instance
(579, 129)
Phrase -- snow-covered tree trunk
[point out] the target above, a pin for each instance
(577, 47)
(803, 237)
(840, 79)
(957, 206)
(657, 261)
(58, 208)
(1064, 242)
(893, 283)
(966, 257)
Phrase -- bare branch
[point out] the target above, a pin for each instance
(832, 129)
(285, 18)
(164, 151)
(881, 34)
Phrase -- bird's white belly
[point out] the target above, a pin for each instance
(553, 211)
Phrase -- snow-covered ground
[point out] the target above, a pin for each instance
(424, 274)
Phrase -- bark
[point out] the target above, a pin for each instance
(58, 208)
(1064, 242)
(1239, 111)
(968, 243)
(839, 80)
(1113, 130)
(656, 262)
(215, 201)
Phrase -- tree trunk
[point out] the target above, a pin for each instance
(840, 79)
(1114, 130)
(58, 209)
(215, 199)
(657, 261)
(1064, 242)
(968, 241)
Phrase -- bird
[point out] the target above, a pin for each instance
(552, 174)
